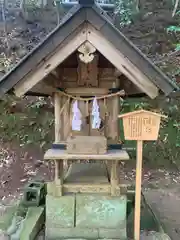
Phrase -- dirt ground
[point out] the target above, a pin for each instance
(18, 165)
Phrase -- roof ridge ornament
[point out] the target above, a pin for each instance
(86, 2)
(86, 52)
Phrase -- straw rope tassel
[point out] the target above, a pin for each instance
(105, 107)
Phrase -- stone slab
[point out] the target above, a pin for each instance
(86, 239)
(120, 233)
(60, 211)
(33, 223)
(97, 211)
(87, 173)
(6, 215)
(165, 205)
(64, 233)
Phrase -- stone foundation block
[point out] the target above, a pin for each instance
(76, 233)
(97, 211)
(60, 211)
(120, 233)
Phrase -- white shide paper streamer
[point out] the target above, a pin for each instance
(76, 119)
(96, 115)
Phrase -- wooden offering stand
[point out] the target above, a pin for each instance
(83, 146)
(140, 126)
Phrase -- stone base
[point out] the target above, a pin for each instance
(33, 223)
(6, 215)
(83, 233)
(82, 239)
(86, 217)
(85, 239)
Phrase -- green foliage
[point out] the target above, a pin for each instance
(33, 5)
(174, 29)
(38, 104)
(34, 126)
(125, 10)
(5, 63)
(177, 48)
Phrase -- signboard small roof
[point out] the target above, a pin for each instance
(140, 112)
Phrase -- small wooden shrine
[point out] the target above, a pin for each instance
(87, 65)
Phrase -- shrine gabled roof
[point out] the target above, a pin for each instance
(86, 11)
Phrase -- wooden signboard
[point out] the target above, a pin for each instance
(140, 126)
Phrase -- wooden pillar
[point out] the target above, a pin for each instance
(57, 115)
(114, 178)
(115, 113)
(66, 126)
(58, 137)
(115, 136)
(66, 122)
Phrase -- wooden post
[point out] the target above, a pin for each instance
(115, 113)
(137, 217)
(58, 137)
(66, 118)
(115, 135)
(114, 177)
(57, 115)
(56, 171)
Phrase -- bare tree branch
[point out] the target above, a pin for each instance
(3, 7)
(137, 3)
(175, 8)
(57, 12)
